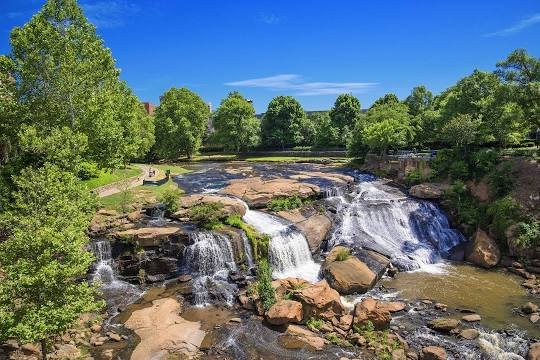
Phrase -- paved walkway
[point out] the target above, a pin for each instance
(118, 186)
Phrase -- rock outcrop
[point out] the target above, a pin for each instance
(483, 250)
(150, 236)
(433, 353)
(374, 311)
(313, 225)
(427, 191)
(347, 276)
(296, 337)
(231, 206)
(285, 312)
(257, 193)
(320, 300)
(162, 331)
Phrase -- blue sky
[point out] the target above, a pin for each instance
(312, 50)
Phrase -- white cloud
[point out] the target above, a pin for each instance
(269, 19)
(299, 86)
(517, 27)
(110, 14)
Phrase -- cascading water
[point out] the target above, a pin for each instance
(210, 258)
(247, 251)
(116, 292)
(411, 232)
(288, 252)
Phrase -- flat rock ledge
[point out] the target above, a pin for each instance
(163, 331)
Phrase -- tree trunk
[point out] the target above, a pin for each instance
(44, 349)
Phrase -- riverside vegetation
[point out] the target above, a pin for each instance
(59, 135)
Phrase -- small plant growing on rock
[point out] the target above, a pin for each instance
(343, 254)
(314, 324)
(259, 242)
(208, 216)
(264, 286)
(287, 203)
(170, 198)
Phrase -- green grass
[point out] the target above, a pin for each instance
(175, 169)
(294, 159)
(106, 177)
(140, 195)
(343, 254)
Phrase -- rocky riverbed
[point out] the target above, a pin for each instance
(361, 269)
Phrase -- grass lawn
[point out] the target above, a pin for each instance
(175, 169)
(107, 177)
(137, 196)
(295, 159)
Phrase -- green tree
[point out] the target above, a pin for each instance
(180, 120)
(388, 133)
(66, 77)
(43, 259)
(282, 123)
(345, 113)
(327, 135)
(235, 124)
(420, 100)
(461, 131)
(384, 126)
(386, 99)
(521, 72)
(8, 108)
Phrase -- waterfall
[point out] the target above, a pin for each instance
(116, 292)
(413, 233)
(288, 252)
(210, 258)
(247, 251)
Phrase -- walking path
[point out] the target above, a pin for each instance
(121, 185)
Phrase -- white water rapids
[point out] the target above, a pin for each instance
(415, 234)
(288, 253)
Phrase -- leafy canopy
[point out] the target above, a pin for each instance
(43, 258)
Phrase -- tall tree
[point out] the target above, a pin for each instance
(522, 72)
(345, 113)
(419, 100)
(180, 122)
(43, 259)
(235, 124)
(386, 99)
(66, 77)
(461, 131)
(283, 122)
(8, 108)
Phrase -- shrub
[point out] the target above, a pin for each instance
(441, 163)
(259, 242)
(501, 181)
(264, 285)
(383, 344)
(286, 203)
(343, 254)
(484, 161)
(528, 234)
(87, 170)
(503, 213)
(208, 216)
(458, 170)
(170, 198)
(462, 203)
(413, 177)
(314, 323)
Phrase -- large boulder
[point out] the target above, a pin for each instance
(297, 337)
(426, 191)
(161, 331)
(375, 261)
(443, 324)
(150, 236)
(313, 225)
(284, 312)
(283, 286)
(231, 206)
(257, 193)
(374, 311)
(433, 353)
(320, 300)
(347, 276)
(483, 250)
(534, 352)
